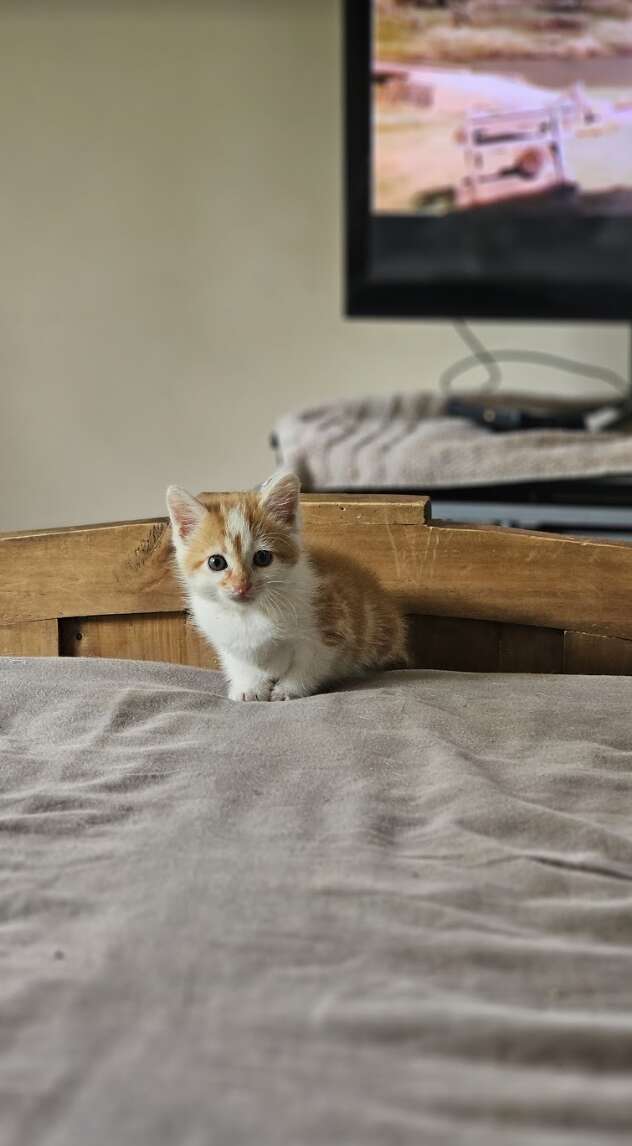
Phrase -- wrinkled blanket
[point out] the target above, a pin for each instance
(400, 913)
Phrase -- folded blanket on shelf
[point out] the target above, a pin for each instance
(406, 440)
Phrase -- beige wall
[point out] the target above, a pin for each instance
(170, 235)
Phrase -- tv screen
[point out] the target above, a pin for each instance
(489, 158)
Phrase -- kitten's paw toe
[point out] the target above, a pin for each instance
(261, 693)
(283, 691)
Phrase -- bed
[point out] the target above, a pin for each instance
(394, 912)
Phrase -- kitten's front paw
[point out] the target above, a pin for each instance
(261, 692)
(287, 690)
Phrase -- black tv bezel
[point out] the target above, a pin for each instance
(587, 276)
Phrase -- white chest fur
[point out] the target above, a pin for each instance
(243, 630)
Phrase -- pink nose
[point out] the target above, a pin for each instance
(243, 589)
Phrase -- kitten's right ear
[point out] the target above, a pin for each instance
(185, 511)
(280, 496)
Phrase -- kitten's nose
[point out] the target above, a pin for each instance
(242, 589)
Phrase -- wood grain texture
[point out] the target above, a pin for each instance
(146, 637)
(122, 568)
(525, 649)
(483, 646)
(30, 639)
(516, 576)
(453, 643)
(596, 655)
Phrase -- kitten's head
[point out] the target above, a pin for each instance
(240, 548)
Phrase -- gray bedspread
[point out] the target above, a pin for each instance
(401, 913)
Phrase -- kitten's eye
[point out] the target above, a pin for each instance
(262, 558)
(216, 562)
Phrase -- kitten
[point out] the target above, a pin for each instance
(284, 618)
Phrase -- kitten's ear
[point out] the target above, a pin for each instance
(279, 495)
(185, 511)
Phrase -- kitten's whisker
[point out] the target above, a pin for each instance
(279, 604)
(276, 598)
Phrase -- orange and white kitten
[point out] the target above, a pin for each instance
(284, 619)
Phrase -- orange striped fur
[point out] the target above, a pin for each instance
(354, 611)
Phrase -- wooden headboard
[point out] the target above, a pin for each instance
(479, 598)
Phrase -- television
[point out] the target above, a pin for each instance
(489, 158)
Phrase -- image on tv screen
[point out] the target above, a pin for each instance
(502, 105)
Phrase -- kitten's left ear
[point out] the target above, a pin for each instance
(279, 495)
